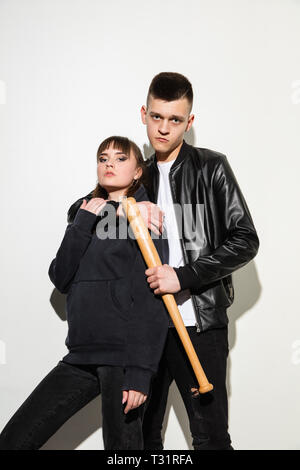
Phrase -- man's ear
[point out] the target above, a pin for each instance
(143, 113)
(190, 122)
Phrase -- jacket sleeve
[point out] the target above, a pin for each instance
(147, 329)
(241, 242)
(74, 244)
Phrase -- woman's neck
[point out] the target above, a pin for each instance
(116, 195)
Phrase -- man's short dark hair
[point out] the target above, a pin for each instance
(170, 86)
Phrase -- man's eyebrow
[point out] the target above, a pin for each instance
(180, 118)
(153, 113)
(174, 116)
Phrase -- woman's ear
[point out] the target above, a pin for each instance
(139, 173)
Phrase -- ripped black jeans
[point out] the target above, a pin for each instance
(207, 413)
(61, 393)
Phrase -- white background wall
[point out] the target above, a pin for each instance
(76, 71)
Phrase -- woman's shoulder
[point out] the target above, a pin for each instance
(72, 211)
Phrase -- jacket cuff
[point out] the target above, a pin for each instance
(137, 378)
(85, 219)
(187, 277)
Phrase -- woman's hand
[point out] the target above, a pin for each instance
(133, 398)
(94, 205)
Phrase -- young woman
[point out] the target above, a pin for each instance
(116, 325)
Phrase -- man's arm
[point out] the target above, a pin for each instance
(241, 243)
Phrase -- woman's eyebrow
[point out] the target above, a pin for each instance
(117, 153)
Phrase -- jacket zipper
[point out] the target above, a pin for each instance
(198, 323)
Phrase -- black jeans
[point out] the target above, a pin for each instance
(207, 413)
(65, 390)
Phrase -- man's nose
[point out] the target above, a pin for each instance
(164, 127)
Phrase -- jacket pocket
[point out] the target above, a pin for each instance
(218, 295)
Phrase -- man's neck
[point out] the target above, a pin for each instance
(168, 156)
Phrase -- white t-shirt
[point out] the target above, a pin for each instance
(165, 202)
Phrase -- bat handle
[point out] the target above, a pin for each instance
(206, 388)
(204, 385)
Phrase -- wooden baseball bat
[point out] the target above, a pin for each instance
(152, 259)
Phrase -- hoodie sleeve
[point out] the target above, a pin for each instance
(73, 246)
(147, 327)
(241, 243)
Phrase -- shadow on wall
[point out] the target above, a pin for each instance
(85, 422)
(247, 289)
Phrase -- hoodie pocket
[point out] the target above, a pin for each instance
(120, 296)
(93, 316)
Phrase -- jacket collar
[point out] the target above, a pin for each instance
(139, 195)
(184, 150)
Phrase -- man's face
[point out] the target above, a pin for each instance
(166, 122)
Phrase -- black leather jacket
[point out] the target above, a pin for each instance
(228, 238)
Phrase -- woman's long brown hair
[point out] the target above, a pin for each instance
(126, 146)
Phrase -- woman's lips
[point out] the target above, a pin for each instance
(109, 174)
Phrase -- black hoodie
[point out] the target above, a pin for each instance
(113, 316)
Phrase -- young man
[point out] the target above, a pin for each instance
(201, 182)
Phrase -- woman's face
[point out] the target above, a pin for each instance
(116, 170)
